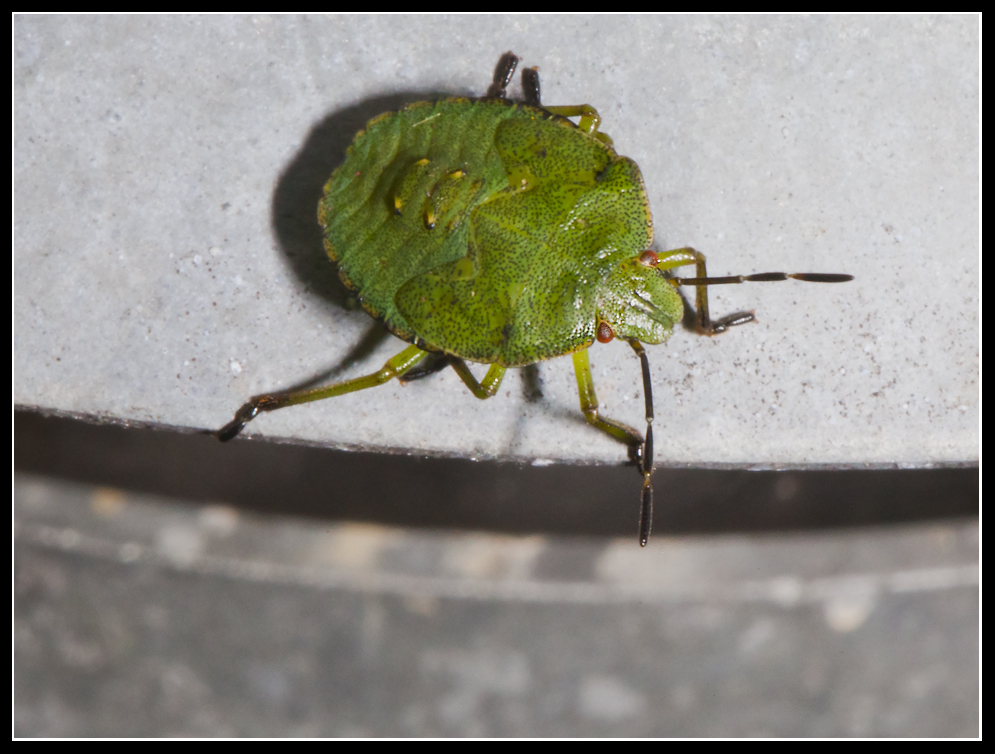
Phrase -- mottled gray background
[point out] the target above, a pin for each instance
(140, 615)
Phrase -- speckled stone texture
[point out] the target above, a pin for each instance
(168, 262)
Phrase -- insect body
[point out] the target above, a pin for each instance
(502, 233)
(491, 232)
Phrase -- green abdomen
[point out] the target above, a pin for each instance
(399, 204)
(483, 229)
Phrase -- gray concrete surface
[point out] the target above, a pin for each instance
(140, 615)
(167, 262)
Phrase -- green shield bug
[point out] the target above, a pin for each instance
(502, 233)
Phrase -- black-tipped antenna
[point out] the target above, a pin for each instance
(767, 277)
(646, 463)
(707, 326)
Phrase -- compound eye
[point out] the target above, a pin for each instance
(648, 258)
(605, 332)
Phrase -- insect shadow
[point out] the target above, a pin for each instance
(293, 217)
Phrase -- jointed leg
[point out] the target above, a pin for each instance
(485, 389)
(640, 451)
(590, 119)
(434, 363)
(505, 69)
(704, 324)
(398, 365)
(589, 405)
